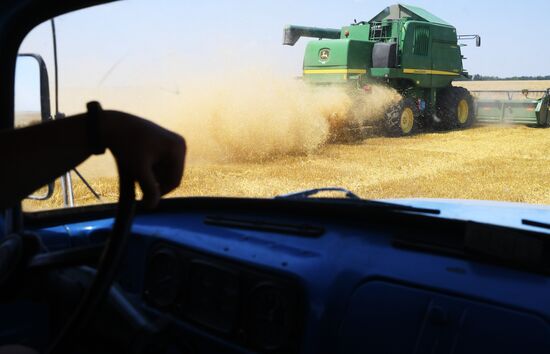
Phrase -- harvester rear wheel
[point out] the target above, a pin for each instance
(402, 118)
(455, 108)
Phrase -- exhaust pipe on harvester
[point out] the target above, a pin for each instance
(293, 33)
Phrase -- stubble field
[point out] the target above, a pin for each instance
(508, 163)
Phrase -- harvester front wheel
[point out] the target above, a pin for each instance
(402, 118)
(455, 108)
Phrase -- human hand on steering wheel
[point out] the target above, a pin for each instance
(145, 152)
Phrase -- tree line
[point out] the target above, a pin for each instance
(478, 77)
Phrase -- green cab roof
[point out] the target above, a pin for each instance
(399, 11)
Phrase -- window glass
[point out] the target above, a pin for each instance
(259, 124)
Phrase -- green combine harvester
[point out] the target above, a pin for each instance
(419, 55)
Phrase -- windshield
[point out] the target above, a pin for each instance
(386, 109)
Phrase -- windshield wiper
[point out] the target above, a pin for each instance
(311, 192)
(542, 225)
(354, 198)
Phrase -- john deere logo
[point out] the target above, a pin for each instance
(323, 55)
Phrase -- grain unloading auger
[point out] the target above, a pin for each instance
(403, 47)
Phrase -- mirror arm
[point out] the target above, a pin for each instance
(88, 185)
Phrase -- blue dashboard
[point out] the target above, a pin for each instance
(312, 277)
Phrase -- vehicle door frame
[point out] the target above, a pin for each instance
(17, 19)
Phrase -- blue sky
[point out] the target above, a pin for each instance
(124, 43)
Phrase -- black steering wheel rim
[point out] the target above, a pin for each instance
(106, 271)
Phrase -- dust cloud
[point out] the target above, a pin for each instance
(370, 107)
(248, 115)
(256, 115)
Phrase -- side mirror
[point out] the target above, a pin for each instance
(32, 101)
(467, 37)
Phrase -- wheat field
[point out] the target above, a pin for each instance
(509, 163)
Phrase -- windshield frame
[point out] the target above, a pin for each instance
(17, 19)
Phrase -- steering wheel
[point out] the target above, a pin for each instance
(106, 272)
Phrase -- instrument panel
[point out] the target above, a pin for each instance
(253, 308)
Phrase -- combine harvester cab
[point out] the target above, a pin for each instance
(513, 107)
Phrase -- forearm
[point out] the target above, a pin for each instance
(34, 156)
(145, 152)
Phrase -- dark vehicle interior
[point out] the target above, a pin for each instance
(242, 275)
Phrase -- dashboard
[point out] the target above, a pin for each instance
(284, 277)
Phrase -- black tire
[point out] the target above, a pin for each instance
(455, 108)
(397, 118)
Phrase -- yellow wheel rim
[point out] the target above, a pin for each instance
(407, 120)
(463, 111)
